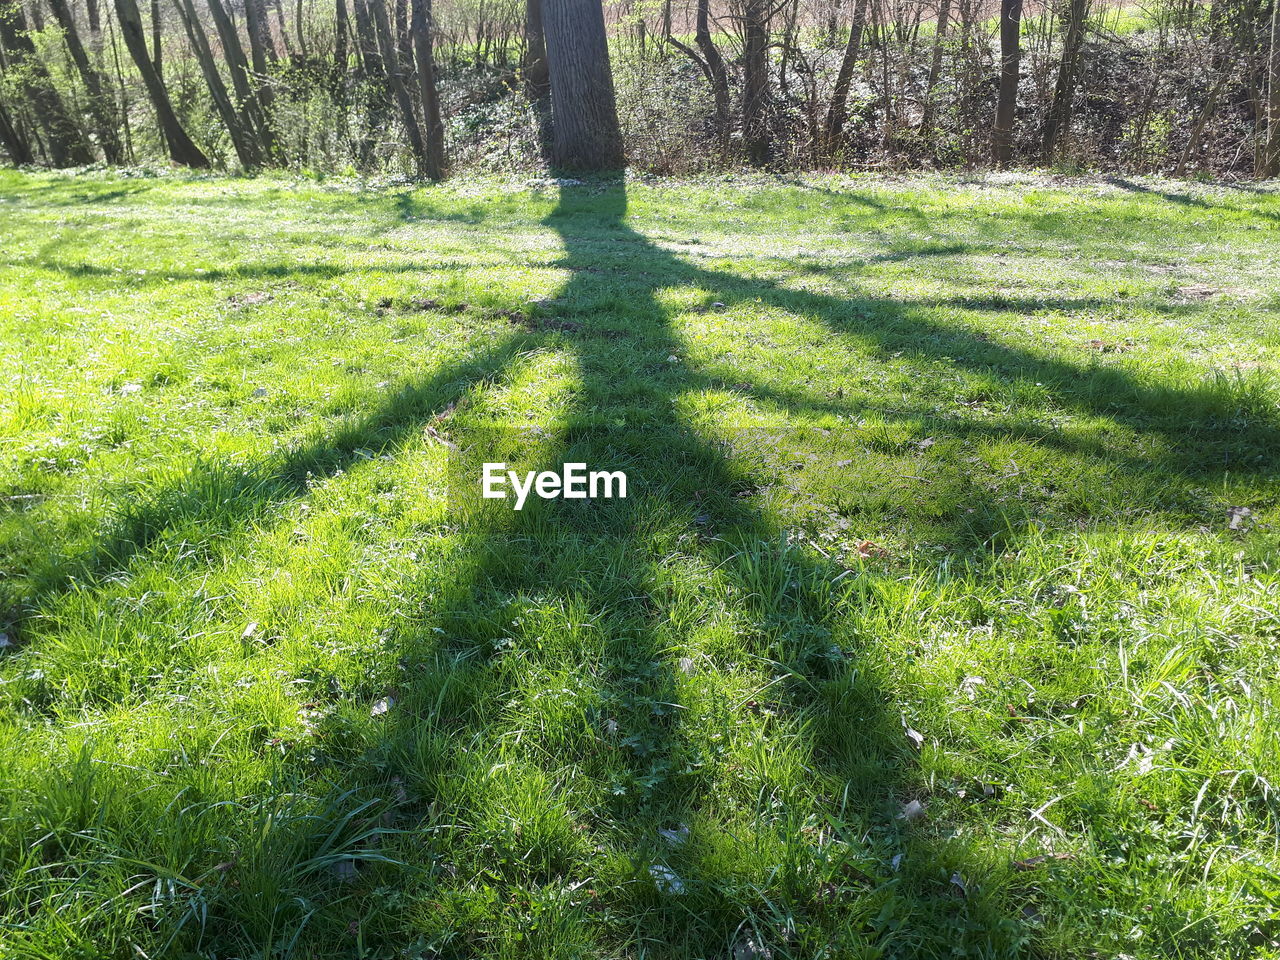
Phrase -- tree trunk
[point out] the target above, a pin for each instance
(1270, 165)
(282, 26)
(261, 47)
(837, 113)
(375, 105)
(716, 71)
(15, 144)
(404, 42)
(433, 132)
(181, 148)
(67, 146)
(340, 28)
(1059, 119)
(755, 81)
(537, 79)
(1007, 98)
(253, 98)
(391, 63)
(586, 135)
(242, 139)
(101, 102)
(157, 30)
(935, 64)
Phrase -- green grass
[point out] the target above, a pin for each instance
(932, 496)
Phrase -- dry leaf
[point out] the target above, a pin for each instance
(1238, 518)
(912, 810)
(666, 879)
(382, 706)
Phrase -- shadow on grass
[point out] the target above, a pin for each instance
(643, 750)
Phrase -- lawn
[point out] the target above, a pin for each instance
(940, 619)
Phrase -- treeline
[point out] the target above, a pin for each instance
(423, 87)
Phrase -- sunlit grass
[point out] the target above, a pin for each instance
(942, 619)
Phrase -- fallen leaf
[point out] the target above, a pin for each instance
(382, 706)
(749, 948)
(249, 631)
(869, 549)
(912, 810)
(958, 885)
(916, 738)
(677, 836)
(1238, 518)
(260, 392)
(666, 879)
(686, 666)
(5, 642)
(130, 388)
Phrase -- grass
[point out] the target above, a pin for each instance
(941, 620)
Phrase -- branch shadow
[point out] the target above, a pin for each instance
(640, 729)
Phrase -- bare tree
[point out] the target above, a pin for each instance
(181, 148)
(585, 130)
(754, 16)
(711, 63)
(12, 138)
(423, 29)
(935, 63)
(395, 77)
(1010, 65)
(1058, 121)
(837, 112)
(67, 146)
(1270, 163)
(101, 102)
(239, 128)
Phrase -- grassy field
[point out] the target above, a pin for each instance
(941, 618)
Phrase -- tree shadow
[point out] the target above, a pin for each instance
(641, 728)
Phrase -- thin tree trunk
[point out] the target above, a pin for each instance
(584, 111)
(837, 113)
(404, 42)
(433, 126)
(181, 148)
(67, 146)
(717, 72)
(1058, 121)
(253, 96)
(1202, 120)
(1270, 165)
(755, 81)
(284, 33)
(261, 47)
(242, 139)
(375, 91)
(157, 30)
(391, 63)
(101, 102)
(537, 78)
(11, 136)
(935, 64)
(1007, 98)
